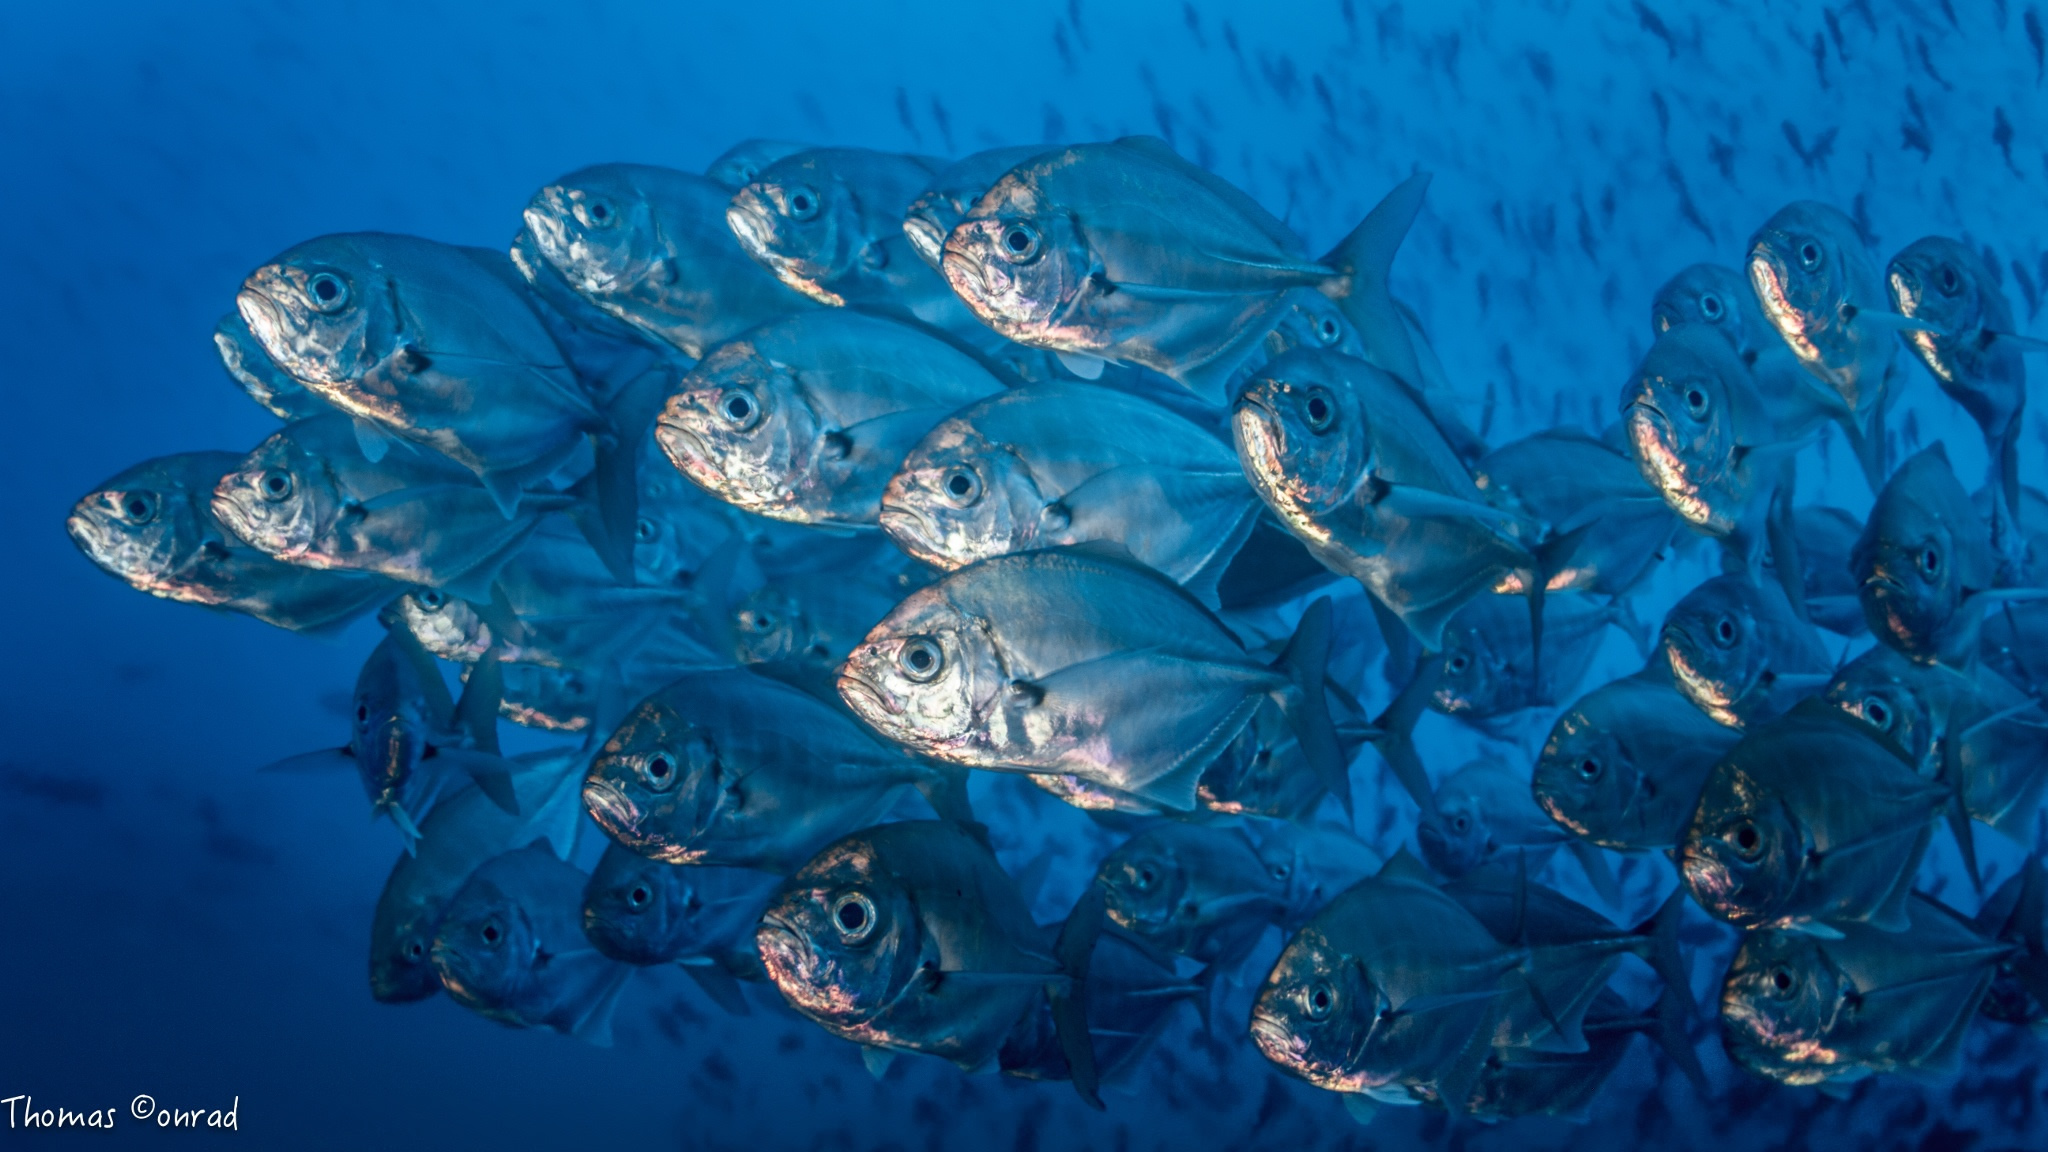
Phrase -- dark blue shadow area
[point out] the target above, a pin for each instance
(173, 924)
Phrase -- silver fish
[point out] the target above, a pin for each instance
(308, 496)
(828, 222)
(153, 527)
(426, 342)
(1971, 353)
(1489, 670)
(1624, 766)
(510, 947)
(1720, 298)
(820, 617)
(909, 938)
(252, 370)
(1820, 288)
(731, 768)
(805, 419)
(1485, 813)
(1810, 817)
(952, 193)
(1924, 564)
(741, 164)
(1075, 662)
(1199, 890)
(1601, 528)
(650, 246)
(1356, 471)
(1127, 252)
(1805, 1010)
(1521, 1082)
(645, 912)
(1067, 463)
(1740, 653)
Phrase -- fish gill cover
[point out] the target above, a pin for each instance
(1313, 575)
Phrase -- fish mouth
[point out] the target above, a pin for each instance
(611, 807)
(864, 698)
(927, 237)
(914, 531)
(1275, 1040)
(751, 222)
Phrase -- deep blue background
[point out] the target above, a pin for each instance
(172, 924)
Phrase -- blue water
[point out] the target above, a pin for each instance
(175, 925)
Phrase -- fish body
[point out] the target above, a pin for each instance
(510, 947)
(252, 370)
(1740, 653)
(643, 912)
(1810, 817)
(1601, 527)
(1925, 563)
(1489, 668)
(1354, 469)
(1801, 1009)
(1701, 431)
(1066, 463)
(308, 496)
(1721, 299)
(1075, 662)
(1487, 813)
(1198, 890)
(805, 419)
(650, 246)
(1624, 766)
(426, 342)
(1943, 283)
(1821, 289)
(153, 527)
(726, 767)
(909, 937)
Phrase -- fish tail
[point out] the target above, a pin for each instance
(1660, 932)
(1363, 261)
(1671, 1030)
(1074, 949)
(945, 789)
(1393, 733)
(1784, 543)
(1304, 662)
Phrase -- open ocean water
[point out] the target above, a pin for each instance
(173, 924)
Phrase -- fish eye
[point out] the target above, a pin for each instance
(659, 770)
(639, 896)
(1145, 878)
(802, 203)
(1697, 402)
(1725, 632)
(430, 600)
(1710, 306)
(749, 174)
(1782, 982)
(415, 949)
(1878, 713)
(854, 915)
(962, 487)
(1461, 823)
(755, 620)
(597, 212)
(1950, 283)
(1018, 242)
(362, 713)
(140, 507)
(1282, 871)
(735, 796)
(1458, 662)
(1319, 408)
(492, 932)
(1327, 330)
(644, 530)
(274, 485)
(1809, 256)
(1317, 1000)
(740, 409)
(1748, 842)
(921, 658)
(1590, 768)
(327, 292)
(1930, 561)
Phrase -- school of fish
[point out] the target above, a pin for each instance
(780, 499)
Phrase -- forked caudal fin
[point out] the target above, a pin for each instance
(1363, 261)
(1303, 662)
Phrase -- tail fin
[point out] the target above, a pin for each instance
(1395, 734)
(1070, 1007)
(1661, 930)
(1784, 541)
(945, 789)
(1599, 873)
(1303, 662)
(1363, 261)
(1672, 1031)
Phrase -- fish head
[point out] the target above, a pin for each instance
(1715, 297)
(1797, 268)
(1941, 282)
(388, 734)
(958, 499)
(279, 499)
(1714, 646)
(402, 953)
(1473, 679)
(927, 677)
(1461, 838)
(1315, 1014)
(799, 220)
(1680, 412)
(149, 526)
(1781, 1007)
(1148, 888)
(1302, 437)
(1020, 263)
(741, 426)
(660, 788)
(597, 229)
(1587, 780)
(323, 311)
(769, 625)
(634, 908)
(1923, 551)
(1885, 690)
(952, 194)
(1744, 851)
(485, 947)
(742, 164)
(841, 939)
(445, 625)
(1313, 321)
